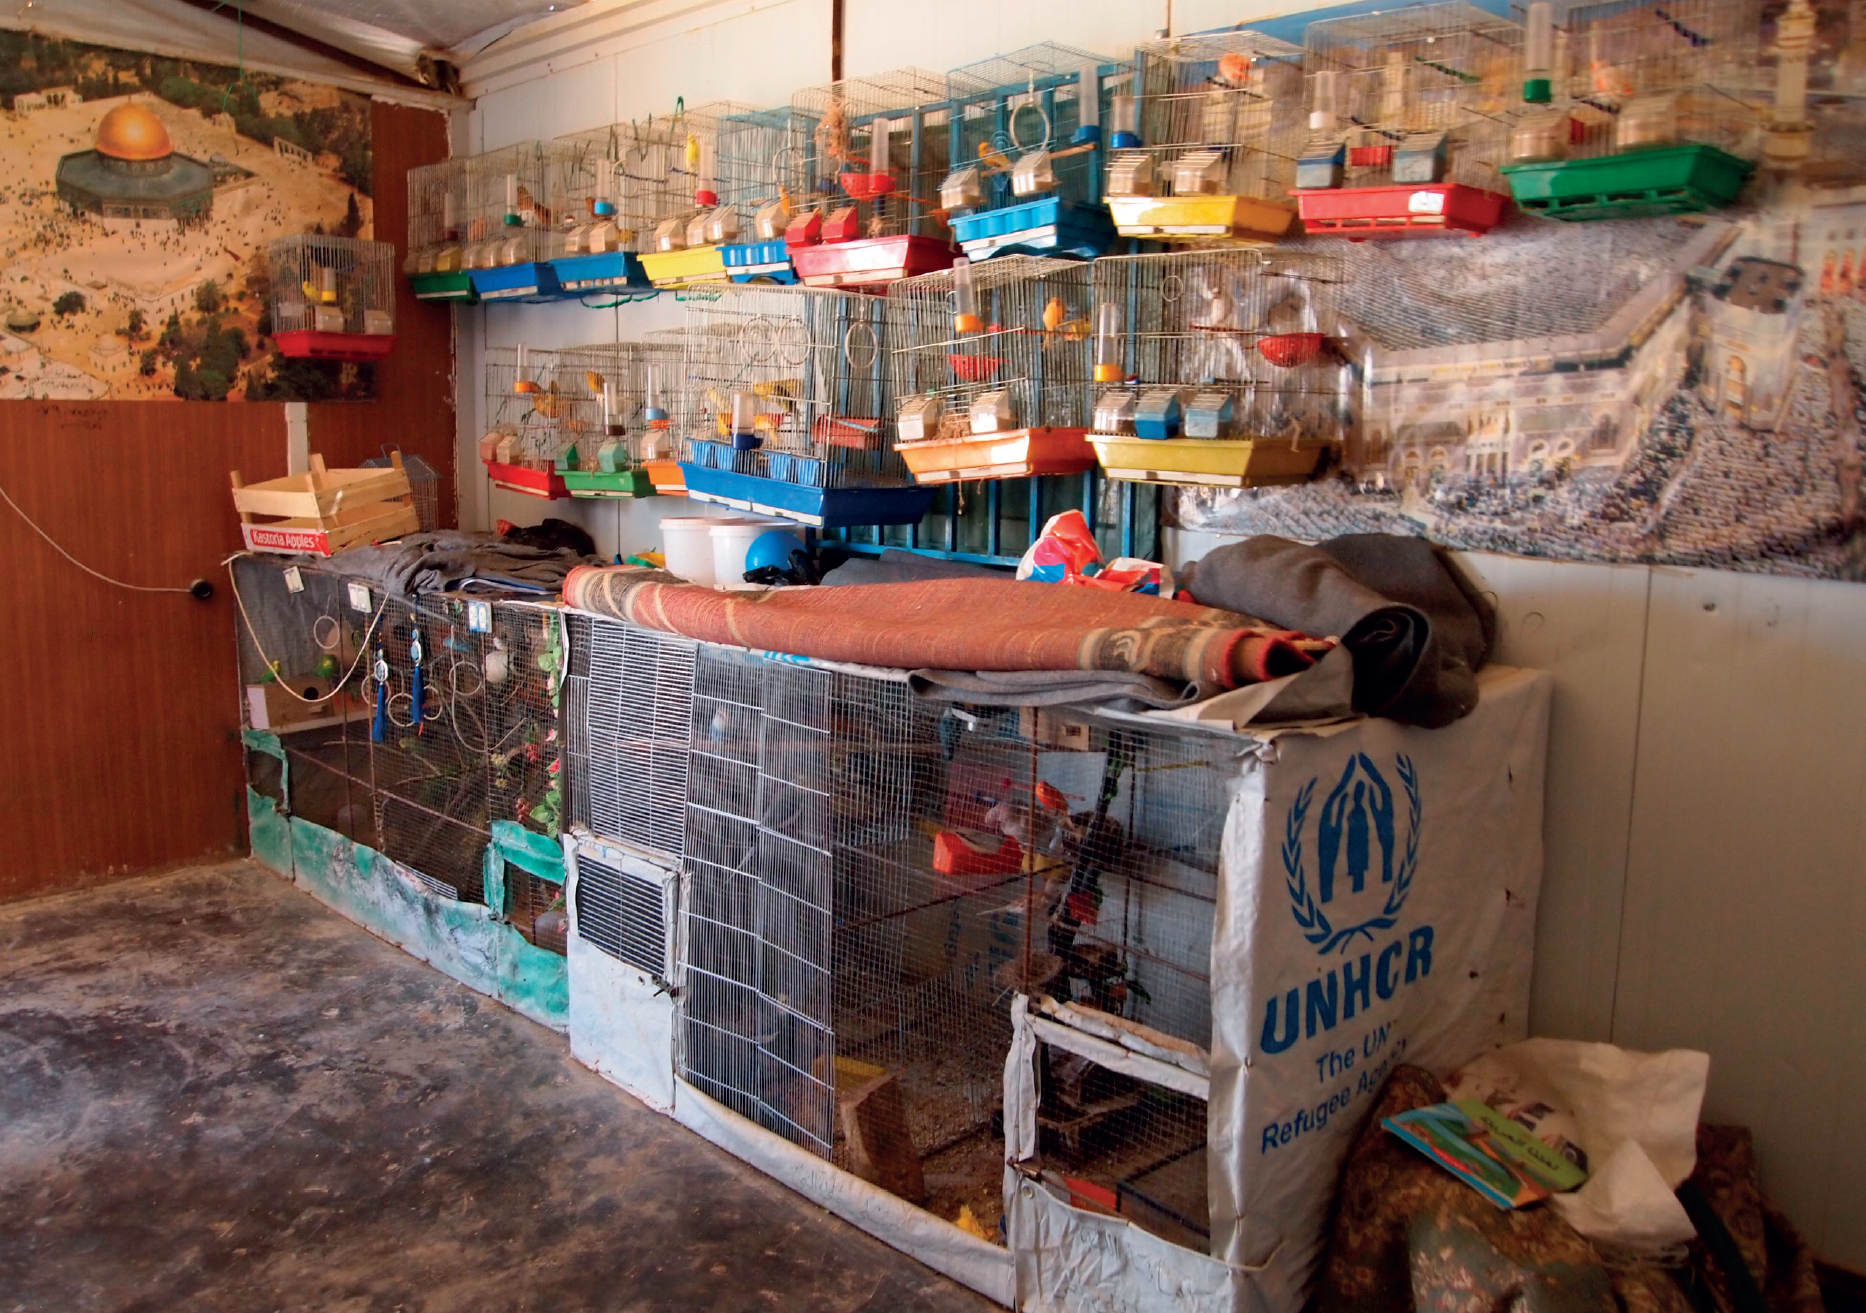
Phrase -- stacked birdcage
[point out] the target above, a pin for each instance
(991, 369)
(697, 223)
(332, 298)
(1636, 107)
(1409, 117)
(610, 191)
(870, 212)
(540, 417)
(1199, 149)
(1219, 367)
(786, 407)
(424, 484)
(512, 232)
(763, 170)
(1027, 163)
(437, 209)
(632, 428)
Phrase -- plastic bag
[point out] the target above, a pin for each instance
(1066, 553)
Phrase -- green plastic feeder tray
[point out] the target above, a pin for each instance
(1665, 180)
(457, 287)
(612, 483)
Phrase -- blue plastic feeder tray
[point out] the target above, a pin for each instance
(529, 284)
(612, 271)
(759, 262)
(1048, 225)
(822, 508)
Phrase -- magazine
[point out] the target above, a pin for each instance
(1481, 1146)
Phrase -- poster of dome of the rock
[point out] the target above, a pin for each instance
(1679, 388)
(137, 199)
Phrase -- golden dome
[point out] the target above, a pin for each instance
(130, 132)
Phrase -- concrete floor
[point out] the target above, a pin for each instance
(218, 1095)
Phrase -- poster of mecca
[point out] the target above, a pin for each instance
(1680, 388)
(137, 198)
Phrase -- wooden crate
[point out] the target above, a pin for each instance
(325, 511)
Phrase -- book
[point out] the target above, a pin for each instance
(1482, 1147)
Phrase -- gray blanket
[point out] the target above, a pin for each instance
(451, 560)
(1417, 629)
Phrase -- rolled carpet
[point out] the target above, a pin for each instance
(957, 624)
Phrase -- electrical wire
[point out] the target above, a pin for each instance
(96, 574)
(362, 648)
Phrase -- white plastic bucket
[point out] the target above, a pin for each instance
(731, 540)
(686, 541)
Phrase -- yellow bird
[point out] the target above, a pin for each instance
(782, 389)
(596, 383)
(995, 161)
(546, 403)
(1053, 314)
(693, 153)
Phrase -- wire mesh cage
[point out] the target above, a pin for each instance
(762, 170)
(1201, 146)
(688, 243)
(331, 298)
(1231, 372)
(540, 416)
(1027, 159)
(1636, 107)
(423, 482)
(631, 438)
(1409, 117)
(787, 402)
(880, 147)
(610, 190)
(512, 231)
(991, 369)
(437, 213)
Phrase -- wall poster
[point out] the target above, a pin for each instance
(1682, 390)
(137, 197)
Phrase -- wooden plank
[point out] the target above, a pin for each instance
(1745, 902)
(1585, 624)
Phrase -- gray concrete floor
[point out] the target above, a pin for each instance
(215, 1094)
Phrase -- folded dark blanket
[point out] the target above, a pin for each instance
(1417, 629)
(453, 559)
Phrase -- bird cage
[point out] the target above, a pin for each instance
(541, 415)
(1199, 149)
(763, 169)
(512, 233)
(632, 429)
(688, 243)
(1223, 367)
(787, 405)
(332, 298)
(1027, 163)
(610, 191)
(1409, 113)
(881, 147)
(1636, 107)
(424, 483)
(991, 369)
(437, 210)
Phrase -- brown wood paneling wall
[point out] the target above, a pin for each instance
(414, 404)
(119, 711)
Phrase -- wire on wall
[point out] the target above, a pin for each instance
(95, 574)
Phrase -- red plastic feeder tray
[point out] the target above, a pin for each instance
(1288, 350)
(1425, 210)
(867, 186)
(548, 484)
(306, 344)
(870, 262)
(974, 369)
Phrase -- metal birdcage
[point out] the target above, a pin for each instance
(787, 407)
(1231, 371)
(1200, 146)
(610, 190)
(1409, 117)
(424, 483)
(437, 210)
(1027, 157)
(687, 244)
(540, 415)
(762, 167)
(880, 147)
(1636, 107)
(991, 370)
(332, 298)
(512, 232)
(633, 436)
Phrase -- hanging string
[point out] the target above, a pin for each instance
(95, 574)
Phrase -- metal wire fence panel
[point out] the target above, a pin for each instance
(623, 914)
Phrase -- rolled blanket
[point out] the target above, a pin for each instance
(958, 624)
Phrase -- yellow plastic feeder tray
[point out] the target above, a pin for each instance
(1200, 218)
(696, 264)
(1211, 462)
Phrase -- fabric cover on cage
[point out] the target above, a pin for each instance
(957, 624)
(895, 566)
(1418, 631)
(453, 559)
